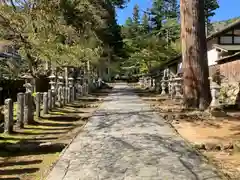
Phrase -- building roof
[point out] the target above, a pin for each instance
(211, 36)
(223, 30)
(227, 47)
(232, 57)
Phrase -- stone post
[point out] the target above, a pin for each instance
(178, 87)
(45, 103)
(61, 97)
(38, 104)
(68, 95)
(53, 99)
(81, 90)
(28, 108)
(50, 100)
(158, 85)
(153, 85)
(59, 94)
(172, 89)
(73, 95)
(141, 82)
(8, 116)
(20, 110)
(66, 76)
(64, 96)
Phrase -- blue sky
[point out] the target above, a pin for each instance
(228, 9)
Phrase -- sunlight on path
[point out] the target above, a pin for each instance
(126, 140)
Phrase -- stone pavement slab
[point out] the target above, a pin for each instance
(127, 140)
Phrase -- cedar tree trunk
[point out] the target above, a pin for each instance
(194, 54)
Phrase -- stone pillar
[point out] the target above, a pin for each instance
(38, 104)
(64, 96)
(28, 108)
(66, 76)
(59, 94)
(45, 103)
(20, 110)
(68, 95)
(153, 85)
(73, 95)
(172, 89)
(49, 99)
(178, 85)
(8, 116)
(81, 90)
(53, 99)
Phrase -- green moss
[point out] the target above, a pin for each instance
(58, 113)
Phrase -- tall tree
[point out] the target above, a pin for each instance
(194, 54)
(209, 7)
(157, 14)
(136, 19)
(136, 15)
(171, 9)
(145, 23)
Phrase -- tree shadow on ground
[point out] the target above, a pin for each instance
(14, 163)
(18, 171)
(34, 148)
(10, 178)
(187, 162)
(38, 133)
(69, 111)
(27, 139)
(62, 118)
(15, 159)
(103, 113)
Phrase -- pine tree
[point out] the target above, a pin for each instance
(145, 23)
(171, 9)
(157, 14)
(136, 15)
(209, 7)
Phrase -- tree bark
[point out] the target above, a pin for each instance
(194, 54)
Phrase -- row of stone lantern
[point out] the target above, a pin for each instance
(174, 86)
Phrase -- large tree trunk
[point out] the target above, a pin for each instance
(194, 54)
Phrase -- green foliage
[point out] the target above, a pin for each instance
(152, 41)
(63, 32)
(210, 7)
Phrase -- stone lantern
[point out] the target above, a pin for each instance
(28, 85)
(70, 81)
(178, 86)
(163, 86)
(215, 92)
(79, 86)
(60, 81)
(72, 88)
(52, 82)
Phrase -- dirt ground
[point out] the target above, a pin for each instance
(29, 153)
(217, 138)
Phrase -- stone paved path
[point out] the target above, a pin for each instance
(126, 140)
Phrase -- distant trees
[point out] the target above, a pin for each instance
(69, 32)
(152, 39)
(209, 9)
